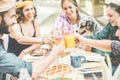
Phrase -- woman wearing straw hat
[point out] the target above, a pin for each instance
(9, 63)
(108, 39)
(24, 36)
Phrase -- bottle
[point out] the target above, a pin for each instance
(24, 75)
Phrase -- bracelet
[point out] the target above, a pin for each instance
(24, 52)
(42, 42)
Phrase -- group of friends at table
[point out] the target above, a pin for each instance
(18, 19)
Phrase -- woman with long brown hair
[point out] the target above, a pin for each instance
(25, 37)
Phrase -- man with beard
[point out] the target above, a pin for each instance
(9, 63)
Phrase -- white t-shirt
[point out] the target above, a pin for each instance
(74, 28)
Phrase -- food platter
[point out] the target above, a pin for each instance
(31, 58)
(59, 72)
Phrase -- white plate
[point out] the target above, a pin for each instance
(31, 58)
(88, 70)
(94, 58)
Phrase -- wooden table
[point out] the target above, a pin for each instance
(86, 69)
(92, 66)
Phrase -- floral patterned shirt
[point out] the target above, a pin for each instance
(63, 24)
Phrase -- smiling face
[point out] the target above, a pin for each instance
(10, 18)
(112, 16)
(69, 9)
(29, 12)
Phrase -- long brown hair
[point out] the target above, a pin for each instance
(114, 6)
(19, 13)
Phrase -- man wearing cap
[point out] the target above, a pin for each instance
(9, 63)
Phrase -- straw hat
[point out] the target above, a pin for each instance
(116, 2)
(25, 3)
(7, 4)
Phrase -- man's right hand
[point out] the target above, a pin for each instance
(57, 50)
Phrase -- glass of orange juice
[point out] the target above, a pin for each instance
(69, 40)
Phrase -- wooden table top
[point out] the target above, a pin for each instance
(86, 68)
